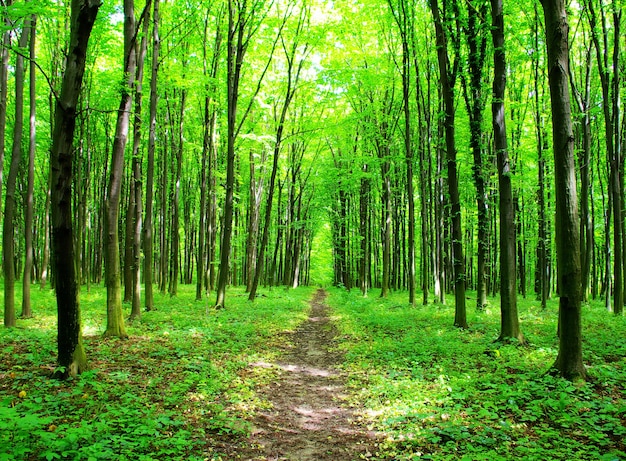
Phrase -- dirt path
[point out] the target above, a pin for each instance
(308, 419)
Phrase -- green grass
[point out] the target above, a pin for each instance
(181, 379)
(182, 382)
(441, 393)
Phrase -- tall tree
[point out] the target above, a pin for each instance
(403, 14)
(137, 178)
(240, 15)
(243, 22)
(424, 132)
(210, 69)
(473, 92)
(8, 227)
(447, 77)
(148, 229)
(569, 363)
(609, 69)
(509, 320)
(115, 319)
(71, 354)
(543, 237)
(4, 74)
(583, 101)
(294, 68)
(30, 181)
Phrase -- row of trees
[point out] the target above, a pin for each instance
(257, 122)
(177, 208)
(447, 86)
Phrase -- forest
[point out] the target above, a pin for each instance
(188, 188)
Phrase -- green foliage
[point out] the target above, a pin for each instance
(181, 379)
(443, 393)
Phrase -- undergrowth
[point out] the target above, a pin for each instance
(179, 382)
(440, 393)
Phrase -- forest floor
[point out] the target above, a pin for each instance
(308, 416)
(311, 375)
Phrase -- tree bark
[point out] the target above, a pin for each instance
(207, 174)
(364, 217)
(610, 97)
(509, 320)
(425, 165)
(148, 230)
(236, 50)
(583, 101)
(4, 72)
(475, 102)
(137, 177)
(403, 14)
(543, 239)
(242, 18)
(71, 354)
(115, 318)
(446, 80)
(569, 362)
(8, 228)
(30, 186)
(178, 149)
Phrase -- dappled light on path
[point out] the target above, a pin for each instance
(308, 416)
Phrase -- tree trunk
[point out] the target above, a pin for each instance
(439, 257)
(386, 226)
(4, 72)
(115, 319)
(447, 85)
(129, 230)
(177, 148)
(509, 321)
(475, 103)
(569, 362)
(8, 228)
(543, 239)
(237, 18)
(71, 355)
(404, 14)
(207, 173)
(45, 250)
(255, 193)
(148, 230)
(583, 101)
(423, 108)
(137, 178)
(610, 97)
(364, 217)
(30, 187)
